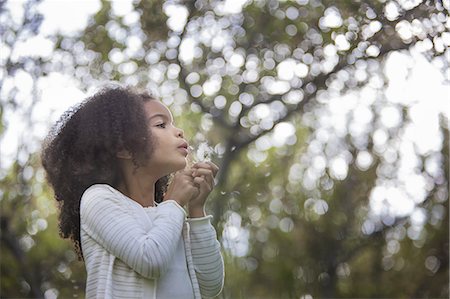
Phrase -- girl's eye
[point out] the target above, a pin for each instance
(162, 125)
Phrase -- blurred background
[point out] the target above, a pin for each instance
(329, 120)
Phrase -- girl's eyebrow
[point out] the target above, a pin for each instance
(158, 115)
(164, 116)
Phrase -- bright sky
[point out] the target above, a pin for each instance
(423, 90)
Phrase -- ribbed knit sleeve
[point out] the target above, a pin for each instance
(208, 262)
(108, 219)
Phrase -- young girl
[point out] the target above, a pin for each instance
(109, 162)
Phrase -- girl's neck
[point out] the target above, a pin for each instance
(139, 187)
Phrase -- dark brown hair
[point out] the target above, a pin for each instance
(81, 149)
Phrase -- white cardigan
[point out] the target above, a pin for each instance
(128, 249)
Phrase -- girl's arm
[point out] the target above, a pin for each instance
(208, 262)
(111, 222)
(205, 248)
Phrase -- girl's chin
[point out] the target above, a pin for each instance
(180, 166)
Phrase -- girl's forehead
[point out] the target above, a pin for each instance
(154, 108)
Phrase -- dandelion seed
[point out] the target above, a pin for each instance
(204, 152)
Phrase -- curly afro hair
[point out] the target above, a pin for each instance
(81, 149)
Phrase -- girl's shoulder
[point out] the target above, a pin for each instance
(101, 193)
(100, 197)
(98, 189)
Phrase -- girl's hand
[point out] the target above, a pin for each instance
(203, 175)
(182, 187)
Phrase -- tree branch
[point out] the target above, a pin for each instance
(317, 81)
(183, 74)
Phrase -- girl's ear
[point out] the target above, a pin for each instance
(124, 154)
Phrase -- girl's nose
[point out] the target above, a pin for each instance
(180, 133)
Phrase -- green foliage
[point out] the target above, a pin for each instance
(153, 20)
(34, 259)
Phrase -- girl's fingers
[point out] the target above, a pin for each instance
(202, 183)
(202, 171)
(206, 165)
(199, 181)
(214, 167)
(206, 174)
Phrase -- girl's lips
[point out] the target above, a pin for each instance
(184, 150)
(183, 147)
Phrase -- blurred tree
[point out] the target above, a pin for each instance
(291, 96)
(33, 262)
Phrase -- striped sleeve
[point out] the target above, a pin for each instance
(111, 223)
(208, 262)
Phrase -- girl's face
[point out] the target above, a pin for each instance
(170, 148)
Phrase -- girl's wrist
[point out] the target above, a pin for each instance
(196, 212)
